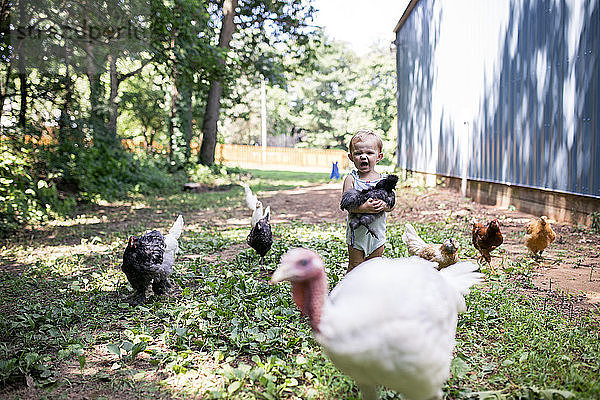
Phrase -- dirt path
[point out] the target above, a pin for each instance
(571, 264)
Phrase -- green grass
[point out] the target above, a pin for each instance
(226, 333)
(299, 178)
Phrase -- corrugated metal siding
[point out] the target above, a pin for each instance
(506, 90)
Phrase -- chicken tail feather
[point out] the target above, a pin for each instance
(411, 238)
(251, 198)
(173, 235)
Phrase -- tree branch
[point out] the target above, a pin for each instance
(122, 77)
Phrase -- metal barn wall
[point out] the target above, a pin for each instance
(501, 90)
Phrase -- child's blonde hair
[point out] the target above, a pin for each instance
(362, 134)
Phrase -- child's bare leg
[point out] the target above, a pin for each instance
(377, 253)
(355, 257)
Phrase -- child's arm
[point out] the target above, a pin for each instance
(348, 183)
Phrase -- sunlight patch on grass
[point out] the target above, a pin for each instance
(80, 220)
(48, 253)
(199, 380)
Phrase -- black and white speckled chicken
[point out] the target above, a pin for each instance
(149, 259)
(352, 198)
(260, 237)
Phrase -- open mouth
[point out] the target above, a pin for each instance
(364, 163)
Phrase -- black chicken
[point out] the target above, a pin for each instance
(352, 198)
(149, 259)
(260, 237)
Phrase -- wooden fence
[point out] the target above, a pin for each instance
(283, 158)
(273, 158)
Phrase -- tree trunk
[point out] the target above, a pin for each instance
(23, 90)
(93, 72)
(22, 71)
(172, 117)
(213, 102)
(64, 123)
(113, 105)
(151, 141)
(4, 88)
(173, 104)
(5, 20)
(187, 122)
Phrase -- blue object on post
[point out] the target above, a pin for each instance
(335, 172)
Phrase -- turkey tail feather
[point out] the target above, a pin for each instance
(461, 276)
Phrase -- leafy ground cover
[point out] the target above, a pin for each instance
(224, 332)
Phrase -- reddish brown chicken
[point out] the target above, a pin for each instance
(487, 238)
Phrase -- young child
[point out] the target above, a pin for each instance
(365, 152)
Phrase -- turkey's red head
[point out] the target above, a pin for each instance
(298, 265)
(304, 269)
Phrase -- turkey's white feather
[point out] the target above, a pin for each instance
(392, 322)
(462, 276)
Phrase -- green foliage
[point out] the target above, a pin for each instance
(144, 110)
(506, 337)
(215, 174)
(39, 183)
(596, 222)
(26, 196)
(102, 170)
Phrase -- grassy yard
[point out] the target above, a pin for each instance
(224, 332)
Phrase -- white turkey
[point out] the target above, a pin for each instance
(388, 322)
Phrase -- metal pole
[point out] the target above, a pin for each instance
(263, 119)
(466, 146)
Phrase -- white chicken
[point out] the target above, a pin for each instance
(388, 322)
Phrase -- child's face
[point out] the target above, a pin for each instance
(365, 155)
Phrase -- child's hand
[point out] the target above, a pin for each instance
(373, 206)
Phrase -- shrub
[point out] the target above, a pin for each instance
(25, 196)
(42, 182)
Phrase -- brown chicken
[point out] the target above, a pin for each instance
(487, 238)
(539, 235)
